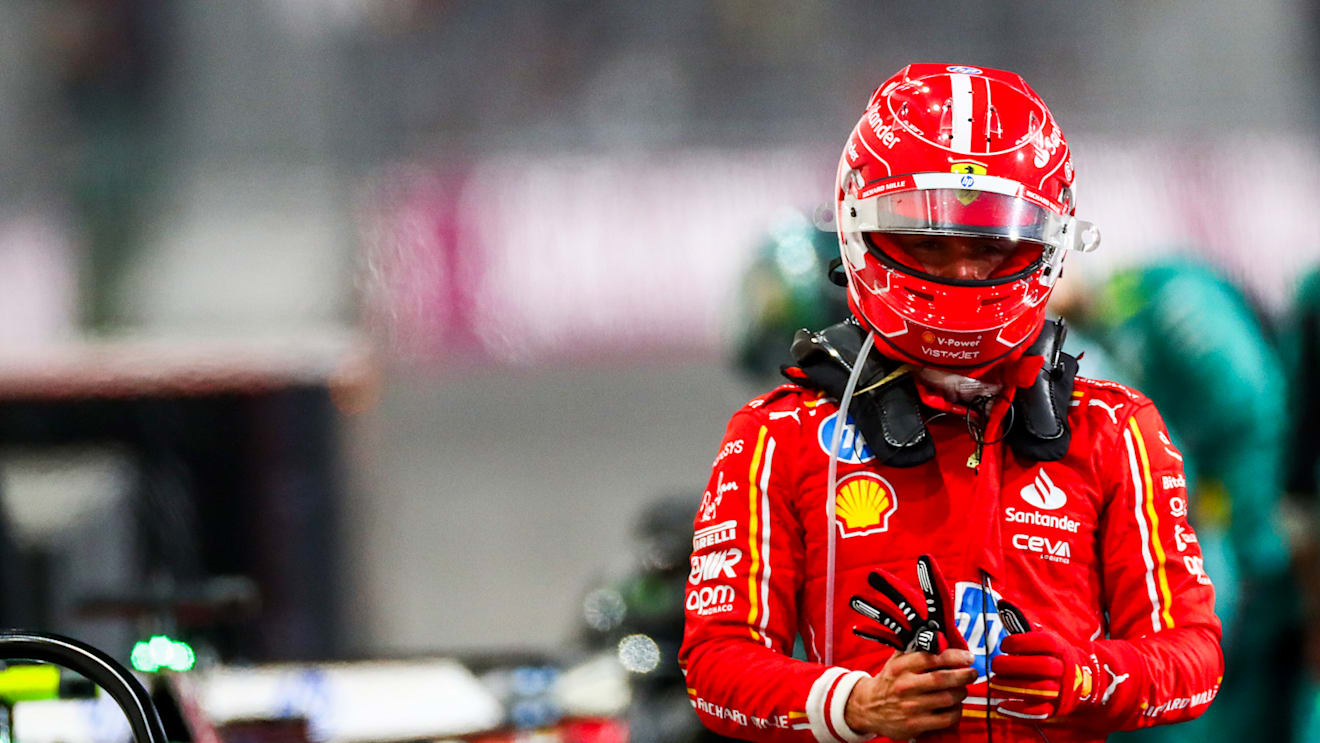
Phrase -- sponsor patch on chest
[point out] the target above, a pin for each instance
(1054, 550)
(1062, 522)
(863, 503)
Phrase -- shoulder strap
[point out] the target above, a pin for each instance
(887, 410)
(1040, 428)
(885, 405)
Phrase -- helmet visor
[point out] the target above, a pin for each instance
(960, 212)
(957, 258)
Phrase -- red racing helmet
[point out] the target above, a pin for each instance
(951, 151)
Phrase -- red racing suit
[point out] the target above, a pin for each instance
(1093, 546)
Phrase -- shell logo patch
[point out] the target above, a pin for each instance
(863, 503)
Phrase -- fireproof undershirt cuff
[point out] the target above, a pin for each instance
(826, 703)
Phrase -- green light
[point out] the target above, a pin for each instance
(161, 652)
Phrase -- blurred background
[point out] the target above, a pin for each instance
(343, 329)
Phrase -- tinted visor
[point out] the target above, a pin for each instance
(952, 211)
(956, 258)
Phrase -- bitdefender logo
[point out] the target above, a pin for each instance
(1043, 493)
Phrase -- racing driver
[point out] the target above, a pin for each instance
(969, 541)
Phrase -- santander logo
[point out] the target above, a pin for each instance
(1043, 493)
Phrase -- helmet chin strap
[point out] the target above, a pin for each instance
(832, 482)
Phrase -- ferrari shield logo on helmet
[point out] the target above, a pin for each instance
(971, 168)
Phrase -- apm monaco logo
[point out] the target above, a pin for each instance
(853, 449)
(1043, 493)
(710, 600)
(863, 504)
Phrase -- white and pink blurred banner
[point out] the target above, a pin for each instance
(525, 259)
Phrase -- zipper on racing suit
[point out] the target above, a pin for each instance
(985, 646)
(986, 608)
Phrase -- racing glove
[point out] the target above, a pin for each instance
(907, 619)
(1039, 675)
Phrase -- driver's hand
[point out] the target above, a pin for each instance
(914, 693)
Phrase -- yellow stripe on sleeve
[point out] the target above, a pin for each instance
(754, 529)
(1165, 594)
(1030, 692)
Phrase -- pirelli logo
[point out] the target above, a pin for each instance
(710, 536)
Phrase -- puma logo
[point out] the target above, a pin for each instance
(1168, 447)
(1111, 410)
(1114, 681)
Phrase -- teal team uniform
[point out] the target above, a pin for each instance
(1189, 340)
(785, 288)
(1300, 347)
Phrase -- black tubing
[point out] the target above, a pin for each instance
(98, 667)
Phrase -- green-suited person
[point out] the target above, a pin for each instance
(787, 286)
(1190, 340)
(1299, 343)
